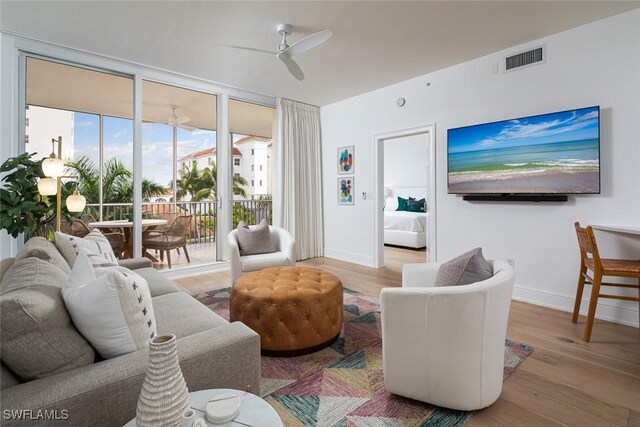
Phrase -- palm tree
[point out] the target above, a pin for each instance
(117, 181)
(202, 184)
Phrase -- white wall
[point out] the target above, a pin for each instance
(596, 64)
(405, 161)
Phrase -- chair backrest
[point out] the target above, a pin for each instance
(587, 244)
(179, 226)
(75, 227)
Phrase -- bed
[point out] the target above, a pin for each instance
(402, 228)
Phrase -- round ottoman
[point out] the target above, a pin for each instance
(295, 310)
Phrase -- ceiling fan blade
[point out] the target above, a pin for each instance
(291, 66)
(182, 119)
(248, 48)
(187, 128)
(309, 42)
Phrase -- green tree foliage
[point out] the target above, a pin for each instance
(201, 184)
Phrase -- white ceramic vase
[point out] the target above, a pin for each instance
(164, 396)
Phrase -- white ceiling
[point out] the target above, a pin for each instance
(375, 44)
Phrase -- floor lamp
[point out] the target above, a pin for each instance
(53, 169)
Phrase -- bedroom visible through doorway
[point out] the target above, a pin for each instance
(406, 232)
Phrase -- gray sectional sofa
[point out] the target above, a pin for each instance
(213, 354)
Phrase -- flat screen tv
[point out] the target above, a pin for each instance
(555, 153)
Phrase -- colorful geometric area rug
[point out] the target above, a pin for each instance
(343, 385)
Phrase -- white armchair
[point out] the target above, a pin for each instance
(285, 254)
(445, 345)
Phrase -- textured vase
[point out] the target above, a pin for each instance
(164, 396)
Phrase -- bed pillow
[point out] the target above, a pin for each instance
(403, 203)
(113, 312)
(470, 267)
(390, 204)
(255, 241)
(416, 205)
(97, 246)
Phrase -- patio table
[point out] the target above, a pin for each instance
(126, 227)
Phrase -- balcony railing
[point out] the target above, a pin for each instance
(203, 224)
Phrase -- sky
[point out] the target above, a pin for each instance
(574, 125)
(157, 143)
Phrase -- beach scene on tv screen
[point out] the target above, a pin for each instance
(550, 153)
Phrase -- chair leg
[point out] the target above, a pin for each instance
(593, 304)
(169, 258)
(576, 305)
(161, 256)
(186, 253)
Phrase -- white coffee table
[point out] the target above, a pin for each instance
(254, 411)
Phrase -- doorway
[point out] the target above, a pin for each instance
(405, 217)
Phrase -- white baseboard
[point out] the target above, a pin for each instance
(367, 261)
(605, 311)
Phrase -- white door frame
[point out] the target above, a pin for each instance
(379, 139)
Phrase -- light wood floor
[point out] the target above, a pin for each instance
(565, 381)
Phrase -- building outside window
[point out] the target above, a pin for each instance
(236, 162)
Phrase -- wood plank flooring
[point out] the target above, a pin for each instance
(565, 381)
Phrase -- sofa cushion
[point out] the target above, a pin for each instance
(97, 246)
(158, 284)
(7, 378)
(113, 311)
(252, 241)
(38, 338)
(199, 318)
(40, 247)
(258, 262)
(470, 267)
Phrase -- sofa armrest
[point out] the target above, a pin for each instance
(422, 274)
(135, 263)
(106, 393)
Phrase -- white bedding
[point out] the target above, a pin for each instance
(405, 221)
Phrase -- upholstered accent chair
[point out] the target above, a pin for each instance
(78, 227)
(285, 254)
(445, 344)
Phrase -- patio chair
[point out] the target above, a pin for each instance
(174, 237)
(79, 228)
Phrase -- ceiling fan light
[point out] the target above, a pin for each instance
(76, 202)
(53, 167)
(47, 186)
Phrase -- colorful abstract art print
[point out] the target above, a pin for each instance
(345, 190)
(345, 160)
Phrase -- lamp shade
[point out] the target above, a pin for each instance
(76, 202)
(47, 186)
(53, 167)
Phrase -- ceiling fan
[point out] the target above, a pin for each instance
(285, 52)
(175, 121)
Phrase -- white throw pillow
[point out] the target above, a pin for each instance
(113, 312)
(97, 246)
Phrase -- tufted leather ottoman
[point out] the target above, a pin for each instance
(294, 310)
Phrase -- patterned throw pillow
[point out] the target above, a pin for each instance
(113, 312)
(97, 246)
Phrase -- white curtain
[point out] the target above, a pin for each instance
(299, 176)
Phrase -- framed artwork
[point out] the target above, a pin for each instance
(346, 190)
(346, 160)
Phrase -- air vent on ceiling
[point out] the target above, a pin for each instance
(523, 59)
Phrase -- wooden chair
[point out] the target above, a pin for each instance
(174, 237)
(78, 227)
(590, 260)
